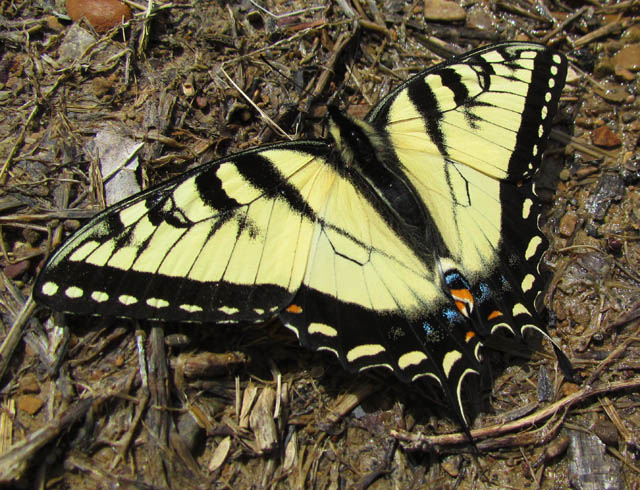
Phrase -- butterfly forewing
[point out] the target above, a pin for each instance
(216, 244)
(469, 134)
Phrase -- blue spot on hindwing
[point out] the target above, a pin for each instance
(454, 280)
(484, 292)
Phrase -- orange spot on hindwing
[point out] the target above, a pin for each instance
(294, 309)
(494, 314)
(463, 300)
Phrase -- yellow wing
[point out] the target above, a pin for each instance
(469, 135)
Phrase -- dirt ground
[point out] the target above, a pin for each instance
(92, 402)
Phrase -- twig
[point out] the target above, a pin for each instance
(611, 357)
(614, 416)
(14, 463)
(157, 418)
(434, 443)
(17, 144)
(142, 403)
(272, 124)
(605, 30)
(144, 36)
(563, 24)
(12, 339)
(582, 146)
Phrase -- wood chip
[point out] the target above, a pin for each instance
(220, 454)
(262, 422)
(248, 398)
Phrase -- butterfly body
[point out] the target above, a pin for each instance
(400, 242)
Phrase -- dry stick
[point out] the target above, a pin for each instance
(564, 24)
(14, 463)
(612, 27)
(611, 357)
(158, 420)
(433, 442)
(125, 443)
(34, 111)
(12, 339)
(536, 437)
(272, 124)
(339, 45)
(17, 144)
(612, 9)
(623, 459)
(349, 401)
(581, 145)
(144, 36)
(614, 416)
(510, 7)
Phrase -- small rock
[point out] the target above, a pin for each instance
(451, 465)
(14, 271)
(202, 102)
(569, 388)
(29, 403)
(567, 225)
(101, 14)
(628, 58)
(603, 68)
(590, 466)
(625, 74)
(443, 10)
(53, 23)
(76, 41)
(102, 86)
(604, 137)
(29, 384)
(632, 34)
(478, 18)
(611, 92)
(606, 432)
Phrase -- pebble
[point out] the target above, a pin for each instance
(443, 10)
(101, 14)
(632, 34)
(604, 137)
(478, 18)
(569, 389)
(29, 384)
(567, 225)
(13, 271)
(29, 403)
(628, 58)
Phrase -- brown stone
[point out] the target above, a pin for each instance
(29, 384)
(29, 403)
(628, 58)
(15, 270)
(569, 389)
(101, 14)
(604, 137)
(443, 10)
